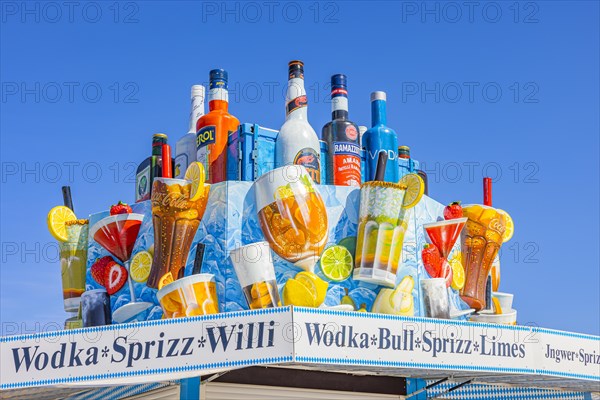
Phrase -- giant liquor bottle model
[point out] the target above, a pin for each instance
(185, 149)
(342, 137)
(150, 168)
(380, 138)
(214, 128)
(297, 142)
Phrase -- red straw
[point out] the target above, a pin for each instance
(167, 171)
(487, 191)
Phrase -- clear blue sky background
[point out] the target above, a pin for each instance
(531, 119)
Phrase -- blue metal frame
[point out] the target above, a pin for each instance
(189, 389)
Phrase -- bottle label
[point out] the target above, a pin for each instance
(309, 159)
(181, 164)
(296, 103)
(142, 184)
(205, 136)
(346, 164)
(351, 132)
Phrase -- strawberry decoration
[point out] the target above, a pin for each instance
(432, 260)
(108, 273)
(120, 208)
(453, 211)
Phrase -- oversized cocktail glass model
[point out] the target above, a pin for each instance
(176, 219)
(190, 296)
(117, 234)
(481, 240)
(381, 228)
(253, 265)
(292, 215)
(73, 259)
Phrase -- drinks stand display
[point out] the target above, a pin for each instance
(213, 277)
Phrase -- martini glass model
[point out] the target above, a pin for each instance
(117, 234)
(444, 234)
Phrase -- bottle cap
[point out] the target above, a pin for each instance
(378, 96)
(218, 74)
(159, 136)
(296, 69)
(338, 80)
(198, 90)
(404, 152)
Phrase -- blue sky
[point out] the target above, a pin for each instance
(497, 89)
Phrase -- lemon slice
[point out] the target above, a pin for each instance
(165, 280)
(195, 173)
(510, 226)
(140, 266)
(314, 284)
(336, 263)
(497, 308)
(458, 272)
(415, 187)
(297, 294)
(56, 222)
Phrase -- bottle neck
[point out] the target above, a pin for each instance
(339, 103)
(218, 99)
(196, 112)
(295, 100)
(378, 112)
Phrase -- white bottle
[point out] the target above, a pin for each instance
(297, 142)
(185, 149)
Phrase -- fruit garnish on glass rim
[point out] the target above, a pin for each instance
(196, 174)
(120, 208)
(57, 218)
(415, 188)
(453, 211)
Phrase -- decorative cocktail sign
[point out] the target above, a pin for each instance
(377, 343)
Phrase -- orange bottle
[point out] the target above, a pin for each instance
(213, 129)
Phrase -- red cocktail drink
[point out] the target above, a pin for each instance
(118, 233)
(444, 234)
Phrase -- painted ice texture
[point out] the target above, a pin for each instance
(231, 220)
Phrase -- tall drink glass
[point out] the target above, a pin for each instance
(176, 220)
(481, 240)
(292, 215)
(381, 228)
(73, 259)
(253, 265)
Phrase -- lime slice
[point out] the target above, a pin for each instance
(415, 187)
(140, 266)
(336, 263)
(195, 173)
(510, 226)
(56, 222)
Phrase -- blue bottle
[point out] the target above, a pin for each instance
(380, 138)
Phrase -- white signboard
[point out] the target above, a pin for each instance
(570, 355)
(329, 337)
(178, 348)
(149, 351)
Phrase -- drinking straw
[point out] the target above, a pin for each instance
(487, 191)
(381, 163)
(167, 171)
(198, 260)
(67, 198)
